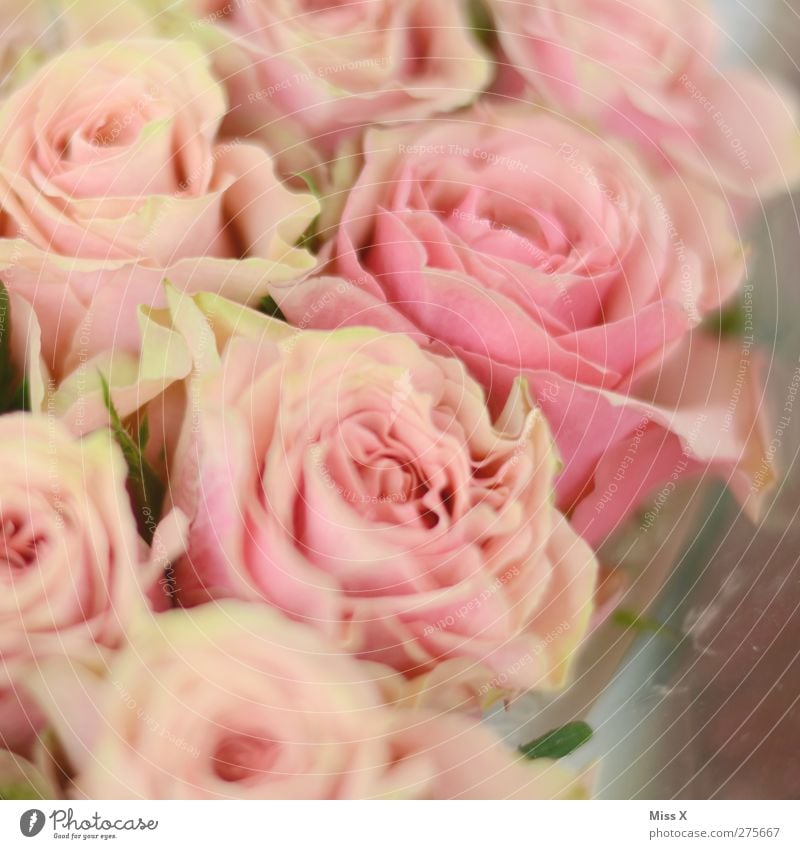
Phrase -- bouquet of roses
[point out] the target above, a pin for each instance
(335, 339)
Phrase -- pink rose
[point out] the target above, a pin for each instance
(231, 701)
(526, 245)
(34, 31)
(113, 177)
(73, 569)
(26, 26)
(306, 75)
(358, 483)
(648, 70)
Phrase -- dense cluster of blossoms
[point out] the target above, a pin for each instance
(335, 339)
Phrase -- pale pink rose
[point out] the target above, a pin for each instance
(26, 28)
(73, 569)
(358, 484)
(649, 70)
(232, 701)
(113, 178)
(523, 244)
(308, 74)
(33, 31)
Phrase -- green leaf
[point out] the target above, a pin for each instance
(146, 488)
(269, 307)
(481, 22)
(143, 435)
(14, 393)
(559, 742)
(729, 321)
(22, 396)
(6, 366)
(628, 619)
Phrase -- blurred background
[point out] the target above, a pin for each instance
(705, 694)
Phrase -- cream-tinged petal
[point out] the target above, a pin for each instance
(234, 701)
(132, 381)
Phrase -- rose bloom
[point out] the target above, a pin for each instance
(307, 74)
(72, 566)
(358, 483)
(26, 28)
(648, 70)
(523, 244)
(232, 701)
(33, 31)
(112, 178)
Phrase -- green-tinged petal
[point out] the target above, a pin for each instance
(198, 334)
(230, 319)
(20, 779)
(132, 381)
